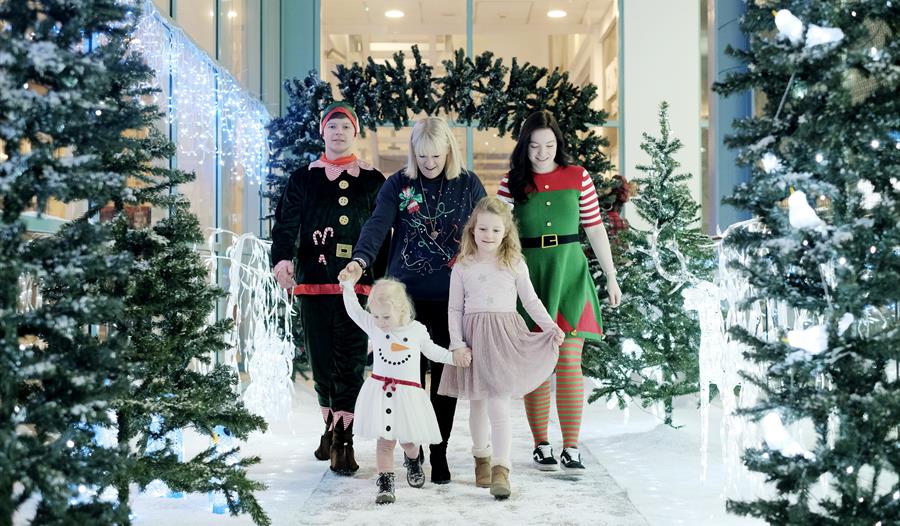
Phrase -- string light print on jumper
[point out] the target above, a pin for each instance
(433, 231)
(392, 406)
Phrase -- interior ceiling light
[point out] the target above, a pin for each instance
(556, 13)
(394, 13)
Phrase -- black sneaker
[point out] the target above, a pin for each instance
(571, 458)
(543, 457)
(385, 485)
(415, 475)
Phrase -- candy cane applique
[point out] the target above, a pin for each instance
(322, 236)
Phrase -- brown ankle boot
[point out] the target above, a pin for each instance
(323, 452)
(342, 459)
(500, 482)
(483, 472)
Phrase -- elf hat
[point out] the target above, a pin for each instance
(335, 108)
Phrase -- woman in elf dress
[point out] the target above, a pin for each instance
(392, 406)
(551, 200)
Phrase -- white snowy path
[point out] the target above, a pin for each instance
(639, 473)
(538, 498)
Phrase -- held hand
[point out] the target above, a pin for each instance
(352, 272)
(558, 336)
(462, 357)
(615, 293)
(284, 274)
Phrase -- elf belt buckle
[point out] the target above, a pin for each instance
(549, 240)
(344, 250)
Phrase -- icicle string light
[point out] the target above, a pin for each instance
(212, 118)
(262, 324)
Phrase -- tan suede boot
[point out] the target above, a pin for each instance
(483, 472)
(500, 482)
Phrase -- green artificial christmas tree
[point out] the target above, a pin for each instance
(123, 309)
(825, 183)
(59, 112)
(168, 334)
(167, 299)
(651, 347)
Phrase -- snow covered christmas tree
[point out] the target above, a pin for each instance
(825, 163)
(59, 115)
(651, 347)
(123, 306)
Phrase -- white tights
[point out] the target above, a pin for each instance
(495, 410)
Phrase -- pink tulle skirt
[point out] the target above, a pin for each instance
(507, 359)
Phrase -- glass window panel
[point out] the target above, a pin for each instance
(583, 42)
(196, 132)
(202, 191)
(704, 60)
(239, 44)
(240, 196)
(611, 151)
(707, 185)
(491, 157)
(67, 211)
(352, 31)
(271, 52)
(198, 19)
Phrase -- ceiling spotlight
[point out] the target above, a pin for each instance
(556, 13)
(394, 13)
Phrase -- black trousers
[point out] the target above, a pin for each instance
(433, 315)
(337, 350)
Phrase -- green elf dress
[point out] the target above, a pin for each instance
(560, 202)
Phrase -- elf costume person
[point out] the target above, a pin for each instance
(551, 200)
(317, 222)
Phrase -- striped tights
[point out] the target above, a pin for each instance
(569, 397)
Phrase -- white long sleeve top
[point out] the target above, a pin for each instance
(397, 351)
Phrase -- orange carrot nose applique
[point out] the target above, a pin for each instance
(396, 347)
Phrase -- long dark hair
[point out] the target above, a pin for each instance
(521, 177)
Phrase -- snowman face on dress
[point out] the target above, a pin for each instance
(394, 350)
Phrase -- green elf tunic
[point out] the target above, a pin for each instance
(548, 223)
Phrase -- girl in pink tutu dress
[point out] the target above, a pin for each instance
(507, 359)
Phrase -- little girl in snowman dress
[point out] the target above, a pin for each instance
(392, 406)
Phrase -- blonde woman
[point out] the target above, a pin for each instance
(508, 360)
(426, 203)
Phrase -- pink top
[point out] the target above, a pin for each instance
(487, 287)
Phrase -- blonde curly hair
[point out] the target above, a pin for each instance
(510, 252)
(390, 292)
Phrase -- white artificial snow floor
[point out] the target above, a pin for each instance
(638, 473)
